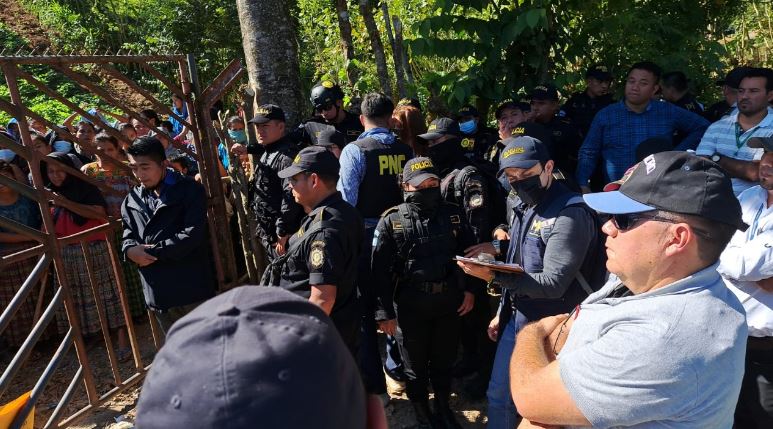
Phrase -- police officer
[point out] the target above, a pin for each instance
(582, 107)
(508, 115)
(556, 238)
(566, 137)
(277, 215)
(368, 181)
(420, 289)
(477, 138)
(466, 185)
(328, 101)
(321, 261)
(332, 140)
(729, 85)
(674, 88)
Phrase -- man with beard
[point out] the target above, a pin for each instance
(725, 140)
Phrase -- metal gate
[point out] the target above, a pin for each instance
(93, 73)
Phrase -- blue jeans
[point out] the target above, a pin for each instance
(501, 409)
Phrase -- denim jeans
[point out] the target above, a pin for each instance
(501, 409)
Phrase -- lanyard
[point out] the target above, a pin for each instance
(752, 231)
(739, 143)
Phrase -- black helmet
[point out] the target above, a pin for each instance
(325, 94)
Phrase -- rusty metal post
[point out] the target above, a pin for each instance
(9, 70)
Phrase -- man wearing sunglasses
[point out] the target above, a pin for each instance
(328, 101)
(662, 343)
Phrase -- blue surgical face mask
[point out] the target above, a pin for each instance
(239, 136)
(7, 155)
(468, 127)
(62, 146)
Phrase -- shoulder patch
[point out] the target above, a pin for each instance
(317, 254)
(476, 201)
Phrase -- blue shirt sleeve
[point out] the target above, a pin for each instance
(590, 150)
(691, 124)
(352, 173)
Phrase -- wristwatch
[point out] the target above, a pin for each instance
(716, 157)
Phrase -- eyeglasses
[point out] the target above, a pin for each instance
(628, 221)
(323, 107)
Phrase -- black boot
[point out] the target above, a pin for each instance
(423, 415)
(444, 413)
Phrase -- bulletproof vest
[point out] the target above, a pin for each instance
(426, 245)
(465, 186)
(530, 231)
(379, 189)
(268, 191)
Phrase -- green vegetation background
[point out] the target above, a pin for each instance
(480, 51)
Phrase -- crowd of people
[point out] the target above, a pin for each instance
(593, 263)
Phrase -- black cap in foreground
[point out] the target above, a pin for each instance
(253, 357)
(313, 159)
(267, 112)
(544, 92)
(522, 152)
(418, 170)
(677, 182)
(441, 127)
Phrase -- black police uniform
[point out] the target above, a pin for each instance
(275, 210)
(419, 284)
(325, 251)
(581, 108)
(690, 103)
(308, 131)
(717, 111)
(477, 145)
(566, 139)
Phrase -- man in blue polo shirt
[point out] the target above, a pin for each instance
(618, 129)
(725, 142)
(662, 344)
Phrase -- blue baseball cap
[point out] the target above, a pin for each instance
(522, 152)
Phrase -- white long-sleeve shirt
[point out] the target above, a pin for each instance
(749, 258)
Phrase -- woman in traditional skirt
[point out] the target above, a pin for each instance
(112, 176)
(67, 223)
(16, 207)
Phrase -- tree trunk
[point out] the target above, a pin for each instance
(345, 28)
(271, 51)
(396, 52)
(399, 44)
(378, 48)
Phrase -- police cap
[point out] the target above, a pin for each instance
(418, 170)
(600, 72)
(522, 152)
(267, 112)
(441, 127)
(313, 159)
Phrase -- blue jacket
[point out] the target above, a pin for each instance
(178, 232)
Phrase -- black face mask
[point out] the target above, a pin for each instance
(445, 153)
(427, 199)
(529, 190)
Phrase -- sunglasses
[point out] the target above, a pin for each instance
(323, 107)
(628, 221)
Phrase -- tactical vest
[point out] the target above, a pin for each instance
(380, 189)
(425, 246)
(268, 191)
(532, 231)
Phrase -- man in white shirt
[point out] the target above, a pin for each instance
(747, 268)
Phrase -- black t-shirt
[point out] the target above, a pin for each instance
(309, 130)
(328, 257)
(581, 108)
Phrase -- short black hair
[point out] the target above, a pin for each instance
(234, 120)
(377, 105)
(180, 159)
(148, 146)
(760, 72)
(167, 126)
(331, 180)
(125, 125)
(676, 80)
(647, 66)
(149, 114)
(103, 136)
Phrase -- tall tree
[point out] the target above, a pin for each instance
(271, 53)
(366, 10)
(396, 52)
(345, 28)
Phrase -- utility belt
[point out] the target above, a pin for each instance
(431, 287)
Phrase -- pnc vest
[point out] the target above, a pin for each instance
(380, 189)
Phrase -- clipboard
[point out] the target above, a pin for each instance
(494, 265)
